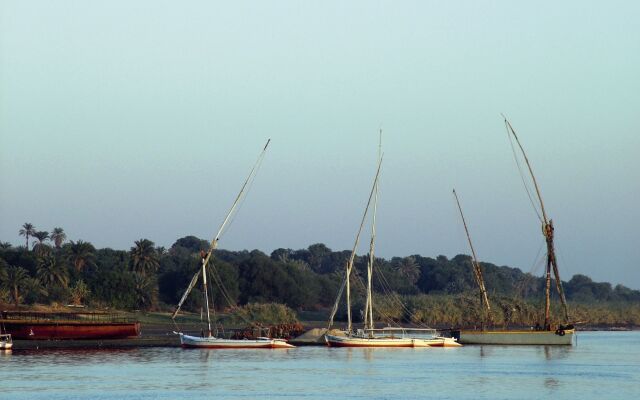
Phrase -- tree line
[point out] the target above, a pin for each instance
(149, 277)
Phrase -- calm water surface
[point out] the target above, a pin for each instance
(604, 365)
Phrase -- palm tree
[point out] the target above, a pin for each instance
(41, 236)
(34, 290)
(144, 257)
(16, 280)
(5, 245)
(146, 289)
(409, 269)
(80, 254)
(49, 272)
(27, 230)
(79, 292)
(58, 236)
(40, 248)
(3, 271)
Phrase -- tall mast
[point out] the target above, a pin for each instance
(206, 295)
(484, 300)
(349, 267)
(547, 231)
(214, 241)
(368, 311)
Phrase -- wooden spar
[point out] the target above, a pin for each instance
(484, 300)
(214, 242)
(535, 182)
(206, 295)
(193, 282)
(345, 283)
(547, 231)
(368, 310)
(355, 246)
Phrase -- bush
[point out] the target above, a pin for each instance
(265, 314)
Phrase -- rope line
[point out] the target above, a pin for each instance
(388, 291)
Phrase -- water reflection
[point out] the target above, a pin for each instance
(78, 357)
(372, 354)
(552, 384)
(547, 352)
(557, 352)
(204, 356)
(469, 372)
(486, 351)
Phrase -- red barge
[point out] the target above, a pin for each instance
(67, 326)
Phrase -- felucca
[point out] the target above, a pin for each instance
(369, 336)
(208, 340)
(546, 334)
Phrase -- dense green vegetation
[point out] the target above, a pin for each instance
(422, 290)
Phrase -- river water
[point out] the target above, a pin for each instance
(603, 365)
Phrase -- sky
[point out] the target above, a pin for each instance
(123, 120)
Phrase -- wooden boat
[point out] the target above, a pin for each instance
(546, 334)
(518, 337)
(369, 336)
(209, 340)
(66, 326)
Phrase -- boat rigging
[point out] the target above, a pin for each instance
(209, 340)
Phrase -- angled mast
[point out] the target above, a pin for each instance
(547, 231)
(214, 242)
(254, 170)
(477, 271)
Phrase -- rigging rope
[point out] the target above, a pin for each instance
(389, 319)
(218, 281)
(249, 184)
(538, 261)
(394, 296)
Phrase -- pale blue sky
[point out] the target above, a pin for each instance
(129, 119)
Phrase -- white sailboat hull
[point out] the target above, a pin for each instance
(440, 341)
(220, 343)
(5, 342)
(350, 341)
(518, 337)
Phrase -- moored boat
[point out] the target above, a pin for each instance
(369, 336)
(212, 342)
(392, 337)
(208, 339)
(355, 341)
(6, 343)
(542, 334)
(518, 337)
(67, 326)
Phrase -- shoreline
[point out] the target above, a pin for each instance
(157, 335)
